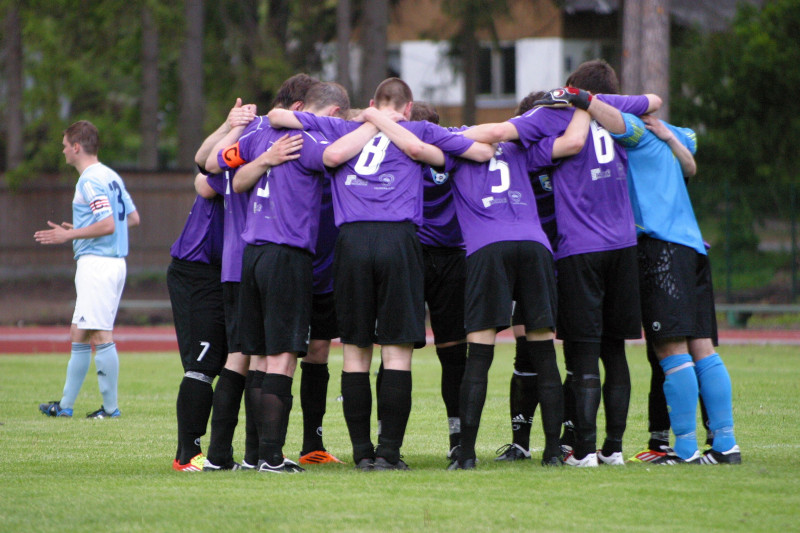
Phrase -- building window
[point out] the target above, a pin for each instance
(497, 68)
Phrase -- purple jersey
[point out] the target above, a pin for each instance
(326, 242)
(233, 244)
(381, 184)
(439, 221)
(494, 200)
(591, 194)
(201, 238)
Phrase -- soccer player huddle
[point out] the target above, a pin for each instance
(571, 220)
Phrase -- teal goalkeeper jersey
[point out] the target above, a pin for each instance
(101, 193)
(661, 205)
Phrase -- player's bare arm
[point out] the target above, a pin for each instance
(684, 156)
(284, 149)
(202, 188)
(64, 232)
(226, 142)
(409, 143)
(574, 137)
(133, 219)
(348, 146)
(284, 118)
(654, 102)
(493, 132)
(239, 115)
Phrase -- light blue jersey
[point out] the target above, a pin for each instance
(100, 193)
(661, 205)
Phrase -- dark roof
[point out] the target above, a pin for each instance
(714, 15)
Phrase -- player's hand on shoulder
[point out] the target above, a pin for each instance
(657, 127)
(565, 96)
(241, 115)
(284, 149)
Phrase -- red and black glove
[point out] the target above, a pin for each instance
(565, 96)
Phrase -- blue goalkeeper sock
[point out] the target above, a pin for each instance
(107, 363)
(77, 368)
(715, 388)
(680, 389)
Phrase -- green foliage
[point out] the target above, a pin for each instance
(91, 475)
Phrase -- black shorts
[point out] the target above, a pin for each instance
(230, 295)
(503, 272)
(195, 291)
(378, 280)
(676, 291)
(598, 296)
(445, 278)
(323, 317)
(275, 299)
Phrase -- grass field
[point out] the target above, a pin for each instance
(114, 475)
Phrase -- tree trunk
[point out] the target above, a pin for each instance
(343, 32)
(655, 51)
(148, 123)
(191, 105)
(12, 44)
(631, 47)
(469, 60)
(373, 48)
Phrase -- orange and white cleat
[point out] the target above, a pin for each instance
(318, 457)
(195, 464)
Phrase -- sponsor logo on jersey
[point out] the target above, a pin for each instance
(352, 179)
(599, 174)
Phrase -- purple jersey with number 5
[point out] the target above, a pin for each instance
(381, 184)
(494, 200)
(592, 206)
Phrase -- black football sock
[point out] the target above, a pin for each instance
(194, 407)
(395, 396)
(225, 416)
(276, 391)
(378, 383)
(587, 396)
(473, 394)
(453, 359)
(357, 407)
(313, 393)
(616, 393)
(657, 414)
(550, 393)
(568, 436)
(523, 397)
(252, 411)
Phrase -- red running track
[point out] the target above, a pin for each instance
(55, 339)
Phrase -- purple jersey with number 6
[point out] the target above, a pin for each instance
(592, 206)
(381, 184)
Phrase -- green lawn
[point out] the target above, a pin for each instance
(115, 475)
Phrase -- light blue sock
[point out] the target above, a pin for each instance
(715, 387)
(107, 364)
(680, 389)
(78, 366)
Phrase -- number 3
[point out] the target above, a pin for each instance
(115, 186)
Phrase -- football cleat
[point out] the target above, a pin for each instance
(731, 457)
(673, 459)
(318, 457)
(247, 466)
(195, 464)
(648, 455)
(383, 464)
(287, 467)
(463, 464)
(208, 466)
(512, 452)
(614, 459)
(102, 413)
(367, 464)
(590, 461)
(55, 409)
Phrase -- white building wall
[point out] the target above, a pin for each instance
(424, 65)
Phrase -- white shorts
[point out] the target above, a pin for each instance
(98, 282)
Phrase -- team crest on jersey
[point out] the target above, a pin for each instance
(515, 196)
(386, 180)
(439, 177)
(546, 183)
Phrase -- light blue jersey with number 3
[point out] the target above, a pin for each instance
(101, 193)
